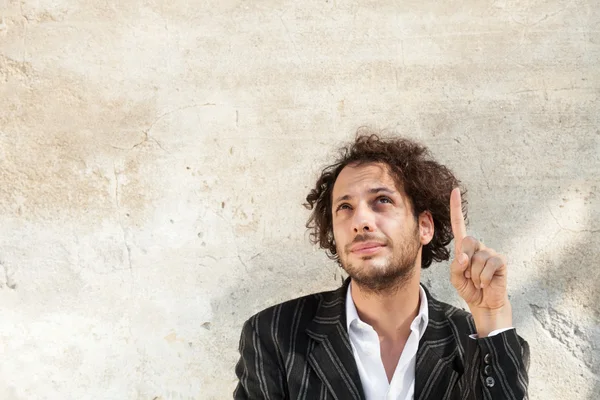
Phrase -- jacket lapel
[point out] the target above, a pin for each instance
(331, 356)
(437, 369)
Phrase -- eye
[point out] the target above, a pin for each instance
(384, 199)
(343, 206)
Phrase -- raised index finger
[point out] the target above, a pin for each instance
(458, 220)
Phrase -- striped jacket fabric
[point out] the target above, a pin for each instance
(300, 349)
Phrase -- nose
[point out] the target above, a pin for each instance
(363, 220)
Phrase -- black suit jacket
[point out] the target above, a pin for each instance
(300, 349)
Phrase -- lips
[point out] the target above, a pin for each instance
(366, 247)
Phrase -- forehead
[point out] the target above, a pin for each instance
(357, 178)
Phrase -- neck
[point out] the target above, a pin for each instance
(389, 312)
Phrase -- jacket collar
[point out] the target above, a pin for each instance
(331, 357)
(437, 354)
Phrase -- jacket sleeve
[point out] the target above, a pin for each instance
(258, 370)
(496, 367)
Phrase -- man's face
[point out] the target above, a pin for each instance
(376, 234)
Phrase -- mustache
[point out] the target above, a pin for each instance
(365, 237)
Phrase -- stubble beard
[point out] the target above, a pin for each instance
(385, 275)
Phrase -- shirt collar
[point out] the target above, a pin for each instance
(419, 323)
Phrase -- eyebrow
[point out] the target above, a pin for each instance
(381, 189)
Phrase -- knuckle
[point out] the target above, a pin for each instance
(481, 257)
(470, 240)
(499, 260)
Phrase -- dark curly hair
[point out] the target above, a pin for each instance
(427, 184)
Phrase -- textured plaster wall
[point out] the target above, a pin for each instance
(154, 156)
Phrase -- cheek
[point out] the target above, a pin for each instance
(388, 225)
(339, 234)
(394, 228)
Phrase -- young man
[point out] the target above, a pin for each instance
(384, 210)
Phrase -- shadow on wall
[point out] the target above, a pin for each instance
(564, 294)
(565, 298)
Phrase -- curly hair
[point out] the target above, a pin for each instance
(427, 184)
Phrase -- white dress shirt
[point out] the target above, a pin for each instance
(367, 353)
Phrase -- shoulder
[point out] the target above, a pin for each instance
(287, 311)
(285, 321)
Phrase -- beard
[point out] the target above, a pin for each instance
(377, 274)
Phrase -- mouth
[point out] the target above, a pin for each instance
(367, 248)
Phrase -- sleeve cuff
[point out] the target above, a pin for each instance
(492, 333)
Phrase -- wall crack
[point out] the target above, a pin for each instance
(120, 219)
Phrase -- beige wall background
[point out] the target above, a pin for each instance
(154, 156)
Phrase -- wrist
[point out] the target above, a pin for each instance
(488, 320)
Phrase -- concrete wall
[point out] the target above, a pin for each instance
(154, 156)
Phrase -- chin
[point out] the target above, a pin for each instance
(373, 262)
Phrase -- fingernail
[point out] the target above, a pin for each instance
(468, 274)
(462, 259)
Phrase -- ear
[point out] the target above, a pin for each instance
(426, 227)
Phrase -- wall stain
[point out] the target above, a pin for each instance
(8, 280)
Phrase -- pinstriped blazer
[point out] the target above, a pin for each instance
(300, 349)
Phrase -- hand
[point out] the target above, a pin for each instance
(479, 275)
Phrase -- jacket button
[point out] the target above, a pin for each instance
(487, 358)
(489, 381)
(487, 370)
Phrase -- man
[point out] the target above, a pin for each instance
(384, 210)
